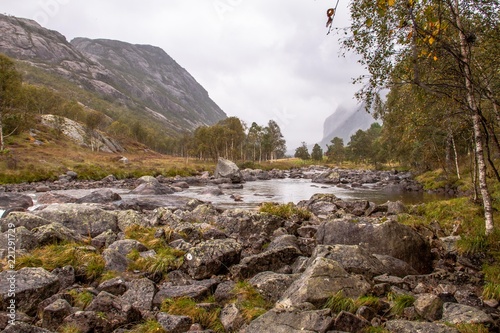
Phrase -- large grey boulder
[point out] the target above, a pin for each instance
(322, 279)
(100, 196)
(174, 324)
(211, 257)
(357, 260)
(406, 326)
(55, 233)
(53, 315)
(228, 169)
(23, 219)
(85, 219)
(276, 321)
(456, 313)
(125, 246)
(388, 238)
(24, 240)
(14, 200)
(151, 186)
(27, 287)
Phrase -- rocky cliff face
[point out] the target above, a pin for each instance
(142, 77)
(344, 123)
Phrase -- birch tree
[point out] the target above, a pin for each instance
(399, 41)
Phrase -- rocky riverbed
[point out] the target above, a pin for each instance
(101, 264)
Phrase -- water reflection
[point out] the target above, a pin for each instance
(295, 190)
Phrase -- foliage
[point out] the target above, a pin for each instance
(207, 317)
(166, 259)
(317, 153)
(286, 211)
(149, 326)
(249, 301)
(400, 302)
(81, 298)
(339, 302)
(88, 264)
(302, 152)
(472, 328)
(336, 151)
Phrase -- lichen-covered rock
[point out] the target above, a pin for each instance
(54, 233)
(27, 287)
(118, 311)
(406, 326)
(429, 306)
(174, 324)
(272, 285)
(84, 219)
(271, 260)
(275, 321)
(228, 169)
(389, 238)
(455, 313)
(125, 246)
(140, 294)
(54, 314)
(100, 197)
(322, 278)
(22, 219)
(21, 327)
(12, 200)
(211, 257)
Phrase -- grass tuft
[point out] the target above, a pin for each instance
(285, 211)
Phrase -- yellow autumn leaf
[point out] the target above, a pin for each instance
(391, 2)
(431, 40)
(435, 58)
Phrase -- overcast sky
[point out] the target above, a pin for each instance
(258, 60)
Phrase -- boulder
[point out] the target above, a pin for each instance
(151, 186)
(456, 313)
(126, 246)
(231, 318)
(100, 196)
(50, 198)
(54, 233)
(21, 327)
(119, 312)
(276, 321)
(54, 314)
(228, 169)
(211, 257)
(85, 219)
(429, 307)
(388, 238)
(271, 260)
(272, 285)
(115, 261)
(348, 322)
(140, 294)
(11, 200)
(27, 287)
(322, 278)
(24, 240)
(174, 324)
(405, 326)
(23, 219)
(116, 286)
(88, 322)
(196, 292)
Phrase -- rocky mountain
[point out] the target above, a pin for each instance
(142, 78)
(344, 123)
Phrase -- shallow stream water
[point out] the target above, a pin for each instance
(275, 190)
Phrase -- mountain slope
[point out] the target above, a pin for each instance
(141, 78)
(344, 123)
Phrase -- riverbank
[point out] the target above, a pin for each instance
(98, 264)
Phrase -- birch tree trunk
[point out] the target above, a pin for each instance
(476, 121)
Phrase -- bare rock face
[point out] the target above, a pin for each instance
(142, 77)
(388, 238)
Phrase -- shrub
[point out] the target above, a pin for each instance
(285, 211)
(188, 307)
